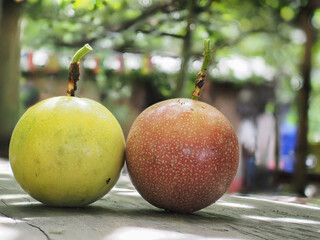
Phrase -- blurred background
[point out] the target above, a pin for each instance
(264, 76)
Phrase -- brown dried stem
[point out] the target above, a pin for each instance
(74, 69)
(201, 77)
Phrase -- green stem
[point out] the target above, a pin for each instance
(207, 54)
(74, 69)
(81, 52)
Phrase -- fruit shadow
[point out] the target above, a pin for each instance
(122, 206)
(39, 210)
(109, 219)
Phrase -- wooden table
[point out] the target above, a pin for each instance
(122, 215)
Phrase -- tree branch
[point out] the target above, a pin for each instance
(158, 33)
(161, 6)
(164, 6)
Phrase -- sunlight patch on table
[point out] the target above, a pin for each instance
(122, 189)
(125, 233)
(22, 203)
(134, 194)
(278, 202)
(12, 196)
(8, 233)
(8, 220)
(235, 205)
(284, 220)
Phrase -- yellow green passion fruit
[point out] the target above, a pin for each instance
(67, 151)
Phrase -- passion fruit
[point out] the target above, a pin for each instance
(182, 154)
(67, 151)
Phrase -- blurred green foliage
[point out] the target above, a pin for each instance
(261, 34)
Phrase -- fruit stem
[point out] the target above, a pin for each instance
(207, 54)
(81, 52)
(74, 69)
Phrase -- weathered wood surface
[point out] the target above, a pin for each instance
(123, 214)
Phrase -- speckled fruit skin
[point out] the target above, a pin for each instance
(182, 155)
(67, 151)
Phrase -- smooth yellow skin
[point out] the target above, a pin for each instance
(67, 151)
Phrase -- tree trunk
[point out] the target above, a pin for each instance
(300, 174)
(186, 51)
(9, 70)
